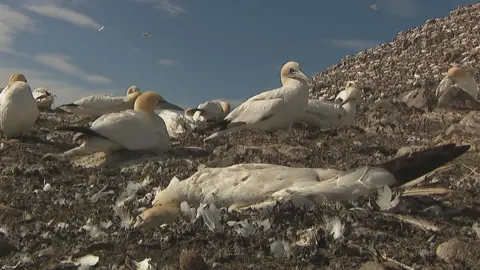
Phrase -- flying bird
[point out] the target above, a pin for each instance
(18, 109)
(374, 6)
(271, 110)
(323, 114)
(101, 28)
(137, 129)
(146, 34)
(460, 77)
(263, 185)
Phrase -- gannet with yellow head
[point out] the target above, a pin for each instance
(18, 109)
(210, 111)
(271, 110)
(460, 77)
(137, 129)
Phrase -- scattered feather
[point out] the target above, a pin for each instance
(131, 190)
(211, 216)
(280, 249)
(144, 265)
(87, 261)
(384, 200)
(190, 213)
(125, 218)
(335, 227)
(476, 229)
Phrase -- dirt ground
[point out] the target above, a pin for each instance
(43, 228)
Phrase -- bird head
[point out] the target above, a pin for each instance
(291, 70)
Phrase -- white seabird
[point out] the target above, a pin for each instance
(271, 110)
(210, 111)
(323, 114)
(460, 77)
(137, 129)
(43, 97)
(98, 105)
(176, 123)
(18, 109)
(262, 185)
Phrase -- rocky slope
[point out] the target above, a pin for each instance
(53, 211)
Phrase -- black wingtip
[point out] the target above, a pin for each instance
(85, 130)
(69, 105)
(411, 166)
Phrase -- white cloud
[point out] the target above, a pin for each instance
(61, 63)
(168, 6)
(67, 15)
(401, 8)
(65, 91)
(167, 62)
(353, 43)
(11, 23)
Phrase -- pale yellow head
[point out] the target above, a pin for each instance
(292, 71)
(353, 93)
(457, 72)
(132, 89)
(17, 77)
(159, 214)
(225, 106)
(150, 101)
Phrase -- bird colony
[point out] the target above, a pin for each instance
(363, 166)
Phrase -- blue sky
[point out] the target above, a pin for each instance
(199, 50)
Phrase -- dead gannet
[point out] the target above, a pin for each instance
(18, 109)
(176, 123)
(210, 111)
(323, 114)
(43, 97)
(137, 129)
(271, 110)
(262, 185)
(98, 105)
(460, 77)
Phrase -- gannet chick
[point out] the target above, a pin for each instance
(263, 185)
(210, 111)
(271, 110)
(176, 123)
(43, 98)
(322, 114)
(18, 109)
(460, 77)
(98, 105)
(137, 129)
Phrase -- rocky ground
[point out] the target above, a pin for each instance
(53, 211)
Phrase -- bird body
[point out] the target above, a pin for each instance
(176, 123)
(98, 105)
(271, 110)
(262, 185)
(43, 98)
(460, 77)
(18, 109)
(210, 111)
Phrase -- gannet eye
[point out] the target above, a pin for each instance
(292, 70)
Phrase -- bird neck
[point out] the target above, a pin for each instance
(287, 81)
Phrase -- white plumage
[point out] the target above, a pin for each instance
(176, 123)
(271, 110)
(322, 114)
(210, 111)
(460, 77)
(18, 109)
(43, 97)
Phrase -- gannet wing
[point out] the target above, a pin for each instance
(444, 85)
(324, 109)
(101, 101)
(469, 85)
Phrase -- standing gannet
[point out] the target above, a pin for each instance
(98, 105)
(271, 110)
(43, 98)
(210, 111)
(322, 114)
(262, 185)
(460, 77)
(18, 109)
(137, 129)
(176, 123)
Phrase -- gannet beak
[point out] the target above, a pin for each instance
(300, 75)
(165, 105)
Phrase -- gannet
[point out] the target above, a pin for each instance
(137, 129)
(43, 98)
(98, 105)
(271, 110)
(324, 114)
(18, 109)
(460, 77)
(176, 123)
(210, 111)
(262, 185)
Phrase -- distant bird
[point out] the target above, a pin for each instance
(98, 105)
(101, 28)
(460, 77)
(137, 129)
(271, 110)
(263, 185)
(210, 111)
(44, 98)
(323, 114)
(146, 34)
(374, 6)
(18, 109)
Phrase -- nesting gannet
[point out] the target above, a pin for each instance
(460, 77)
(18, 109)
(210, 111)
(324, 114)
(176, 123)
(137, 129)
(271, 110)
(262, 185)
(43, 98)
(98, 105)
